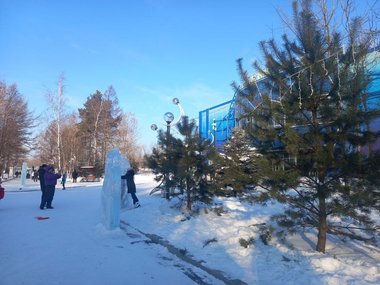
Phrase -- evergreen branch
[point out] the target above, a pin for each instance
(257, 225)
(293, 202)
(350, 235)
(376, 228)
(308, 202)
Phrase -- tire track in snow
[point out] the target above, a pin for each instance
(156, 239)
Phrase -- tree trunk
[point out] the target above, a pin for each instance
(188, 195)
(188, 201)
(322, 228)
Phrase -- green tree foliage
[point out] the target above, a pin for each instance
(187, 163)
(86, 137)
(236, 166)
(99, 120)
(311, 136)
(194, 166)
(16, 124)
(164, 161)
(183, 163)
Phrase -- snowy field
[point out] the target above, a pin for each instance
(158, 244)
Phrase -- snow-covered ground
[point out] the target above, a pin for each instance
(158, 244)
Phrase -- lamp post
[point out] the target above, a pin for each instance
(169, 122)
(168, 118)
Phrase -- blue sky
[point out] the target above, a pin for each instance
(150, 51)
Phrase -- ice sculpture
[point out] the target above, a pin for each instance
(116, 165)
(23, 174)
(125, 201)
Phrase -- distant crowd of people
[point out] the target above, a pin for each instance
(34, 175)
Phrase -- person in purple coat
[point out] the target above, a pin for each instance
(41, 173)
(50, 181)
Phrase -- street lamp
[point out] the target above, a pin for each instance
(168, 118)
(169, 122)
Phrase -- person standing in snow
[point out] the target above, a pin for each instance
(41, 175)
(63, 180)
(74, 175)
(50, 182)
(129, 176)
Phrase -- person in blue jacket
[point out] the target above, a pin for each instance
(50, 181)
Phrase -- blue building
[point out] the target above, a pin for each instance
(217, 123)
(373, 101)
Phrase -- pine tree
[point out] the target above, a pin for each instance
(16, 123)
(310, 124)
(183, 163)
(194, 164)
(99, 119)
(237, 163)
(163, 161)
(187, 163)
(205, 157)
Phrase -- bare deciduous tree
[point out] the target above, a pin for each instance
(127, 140)
(56, 102)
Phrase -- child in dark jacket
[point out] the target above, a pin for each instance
(131, 186)
(50, 181)
(63, 180)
